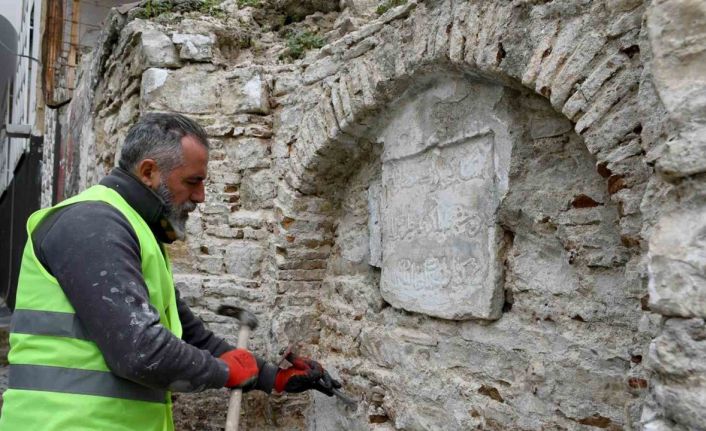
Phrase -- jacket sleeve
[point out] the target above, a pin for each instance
(94, 254)
(196, 334)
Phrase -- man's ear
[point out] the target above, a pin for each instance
(148, 173)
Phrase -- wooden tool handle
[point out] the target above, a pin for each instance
(236, 396)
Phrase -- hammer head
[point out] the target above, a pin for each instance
(245, 317)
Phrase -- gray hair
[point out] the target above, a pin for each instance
(158, 136)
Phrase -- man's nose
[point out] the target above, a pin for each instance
(199, 195)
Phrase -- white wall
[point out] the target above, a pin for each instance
(24, 98)
(12, 10)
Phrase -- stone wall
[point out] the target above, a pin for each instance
(564, 347)
(677, 281)
(477, 214)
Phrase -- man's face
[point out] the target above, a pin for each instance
(184, 186)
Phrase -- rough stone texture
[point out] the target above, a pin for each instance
(157, 49)
(195, 47)
(676, 357)
(677, 31)
(245, 93)
(560, 338)
(591, 253)
(375, 223)
(191, 90)
(678, 264)
(244, 260)
(441, 190)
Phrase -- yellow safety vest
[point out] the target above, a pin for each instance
(59, 380)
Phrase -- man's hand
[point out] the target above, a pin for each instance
(305, 374)
(243, 369)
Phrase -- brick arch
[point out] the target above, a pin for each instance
(588, 67)
(585, 63)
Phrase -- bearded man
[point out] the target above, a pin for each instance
(99, 335)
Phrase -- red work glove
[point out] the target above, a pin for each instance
(243, 368)
(305, 374)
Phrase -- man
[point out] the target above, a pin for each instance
(99, 335)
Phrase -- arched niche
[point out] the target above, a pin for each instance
(445, 165)
(553, 269)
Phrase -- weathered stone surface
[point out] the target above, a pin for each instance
(677, 34)
(157, 49)
(374, 223)
(244, 259)
(546, 125)
(257, 190)
(195, 47)
(254, 219)
(190, 91)
(439, 253)
(440, 195)
(249, 153)
(562, 220)
(247, 93)
(677, 354)
(677, 264)
(153, 79)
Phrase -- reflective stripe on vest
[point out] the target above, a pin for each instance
(47, 323)
(77, 381)
(69, 380)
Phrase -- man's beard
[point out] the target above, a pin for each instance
(177, 215)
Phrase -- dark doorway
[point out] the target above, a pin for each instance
(21, 198)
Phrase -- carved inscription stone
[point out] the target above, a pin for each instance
(439, 198)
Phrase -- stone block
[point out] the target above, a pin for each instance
(253, 219)
(673, 353)
(190, 91)
(679, 75)
(194, 225)
(157, 49)
(293, 324)
(684, 155)
(247, 153)
(258, 190)
(258, 131)
(320, 70)
(245, 94)
(301, 274)
(545, 125)
(195, 47)
(676, 356)
(677, 264)
(152, 80)
(255, 234)
(190, 287)
(244, 259)
(286, 83)
(219, 127)
(225, 232)
(322, 419)
(440, 240)
(541, 266)
(210, 264)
